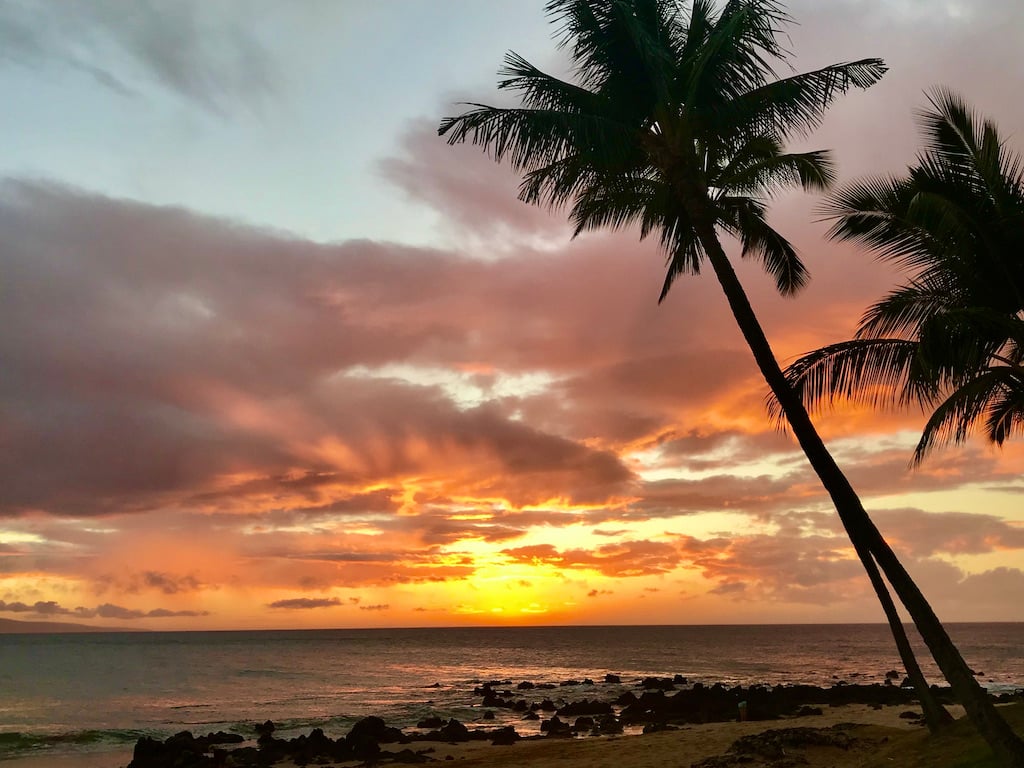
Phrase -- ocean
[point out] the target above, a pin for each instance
(94, 695)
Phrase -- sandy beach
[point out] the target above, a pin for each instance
(872, 729)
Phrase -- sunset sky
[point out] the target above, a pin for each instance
(274, 355)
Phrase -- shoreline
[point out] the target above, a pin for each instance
(682, 745)
(798, 716)
(530, 718)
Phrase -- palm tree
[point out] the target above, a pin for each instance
(951, 338)
(676, 123)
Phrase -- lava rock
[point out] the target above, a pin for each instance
(658, 683)
(586, 707)
(583, 724)
(555, 727)
(504, 737)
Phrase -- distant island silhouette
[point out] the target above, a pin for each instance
(15, 627)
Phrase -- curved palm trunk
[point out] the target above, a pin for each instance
(862, 531)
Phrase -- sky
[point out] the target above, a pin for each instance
(273, 355)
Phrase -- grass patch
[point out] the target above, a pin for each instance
(959, 747)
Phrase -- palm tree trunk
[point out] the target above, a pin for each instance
(936, 716)
(862, 531)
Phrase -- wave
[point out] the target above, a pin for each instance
(16, 743)
(283, 674)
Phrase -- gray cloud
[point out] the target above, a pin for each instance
(43, 608)
(305, 603)
(106, 611)
(923, 534)
(135, 373)
(201, 51)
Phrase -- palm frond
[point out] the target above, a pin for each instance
(738, 53)
(873, 212)
(763, 170)
(905, 310)
(745, 220)
(1006, 410)
(533, 138)
(961, 140)
(684, 249)
(542, 91)
(796, 105)
(617, 202)
(872, 371)
(995, 395)
(619, 48)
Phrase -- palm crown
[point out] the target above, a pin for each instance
(952, 336)
(674, 120)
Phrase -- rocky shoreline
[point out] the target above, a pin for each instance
(562, 710)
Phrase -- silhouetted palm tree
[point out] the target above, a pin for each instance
(676, 123)
(951, 338)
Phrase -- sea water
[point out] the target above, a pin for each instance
(64, 694)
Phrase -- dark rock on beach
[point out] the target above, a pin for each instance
(608, 725)
(453, 730)
(658, 683)
(376, 730)
(504, 736)
(779, 747)
(586, 707)
(583, 724)
(626, 698)
(555, 727)
(181, 749)
(718, 703)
